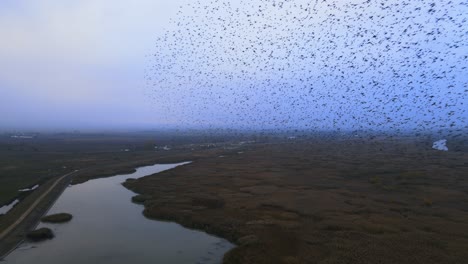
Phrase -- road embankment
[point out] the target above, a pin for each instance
(26, 215)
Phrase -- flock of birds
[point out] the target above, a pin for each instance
(317, 65)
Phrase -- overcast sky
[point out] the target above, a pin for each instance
(77, 64)
(86, 64)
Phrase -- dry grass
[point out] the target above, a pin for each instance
(322, 202)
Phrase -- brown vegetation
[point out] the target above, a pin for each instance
(322, 202)
(57, 218)
(140, 199)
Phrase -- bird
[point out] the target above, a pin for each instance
(386, 66)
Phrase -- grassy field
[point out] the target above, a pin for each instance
(25, 162)
(323, 200)
(306, 199)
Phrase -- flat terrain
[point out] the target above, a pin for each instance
(304, 200)
(25, 162)
(323, 201)
(44, 159)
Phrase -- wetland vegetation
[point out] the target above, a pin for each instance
(57, 218)
(280, 200)
(40, 234)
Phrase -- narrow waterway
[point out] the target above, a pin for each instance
(108, 228)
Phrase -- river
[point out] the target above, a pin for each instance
(108, 228)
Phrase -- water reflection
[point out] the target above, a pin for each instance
(108, 228)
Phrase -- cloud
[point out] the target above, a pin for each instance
(81, 31)
(77, 57)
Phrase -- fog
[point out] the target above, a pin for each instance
(79, 64)
(106, 65)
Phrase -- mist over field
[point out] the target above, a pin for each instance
(315, 65)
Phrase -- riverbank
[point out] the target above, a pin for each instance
(108, 228)
(106, 169)
(323, 201)
(24, 217)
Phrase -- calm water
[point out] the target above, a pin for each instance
(4, 209)
(108, 228)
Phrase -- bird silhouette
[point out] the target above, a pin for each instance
(387, 66)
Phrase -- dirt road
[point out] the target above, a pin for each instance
(24, 216)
